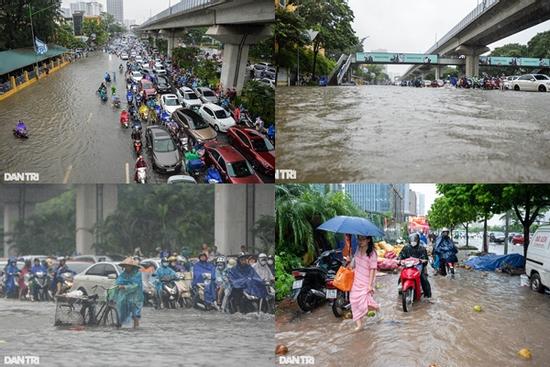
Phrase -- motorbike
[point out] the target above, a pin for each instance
(116, 102)
(410, 288)
(120, 69)
(67, 279)
(40, 286)
(212, 176)
(137, 147)
(184, 287)
(310, 284)
(142, 175)
(198, 293)
(339, 299)
(267, 304)
(19, 133)
(124, 120)
(169, 295)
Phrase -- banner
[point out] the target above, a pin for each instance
(41, 47)
(513, 61)
(395, 58)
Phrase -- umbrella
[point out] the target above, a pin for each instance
(351, 225)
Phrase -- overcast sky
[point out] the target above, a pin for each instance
(139, 10)
(412, 26)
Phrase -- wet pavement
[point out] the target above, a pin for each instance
(446, 332)
(180, 337)
(404, 134)
(73, 136)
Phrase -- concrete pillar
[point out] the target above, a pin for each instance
(13, 83)
(93, 203)
(26, 76)
(237, 208)
(439, 72)
(236, 41)
(471, 54)
(171, 41)
(14, 212)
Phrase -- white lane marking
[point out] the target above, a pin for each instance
(127, 172)
(67, 174)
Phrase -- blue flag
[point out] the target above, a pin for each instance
(41, 47)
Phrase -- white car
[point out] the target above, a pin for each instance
(102, 275)
(532, 82)
(207, 95)
(508, 81)
(136, 76)
(216, 116)
(187, 97)
(169, 103)
(159, 71)
(537, 264)
(139, 58)
(266, 81)
(124, 56)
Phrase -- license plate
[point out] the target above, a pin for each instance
(331, 293)
(297, 284)
(170, 169)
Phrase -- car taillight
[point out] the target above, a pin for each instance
(298, 274)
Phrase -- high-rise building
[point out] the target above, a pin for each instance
(93, 9)
(77, 22)
(66, 12)
(116, 9)
(78, 6)
(411, 210)
(129, 22)
(421, 204)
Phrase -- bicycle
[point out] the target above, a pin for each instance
(107, 315)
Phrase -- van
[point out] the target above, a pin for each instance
(537, 264)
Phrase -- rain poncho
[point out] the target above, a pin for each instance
(11, 270)
(445, 249)
(163, 273)
(245, 277)
(129, 300)
(199, 269)
(263, 271)
(37, 268)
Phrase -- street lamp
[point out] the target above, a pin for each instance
(32, 28)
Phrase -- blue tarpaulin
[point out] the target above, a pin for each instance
(493, 262)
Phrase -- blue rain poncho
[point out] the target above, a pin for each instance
(445, 249)
(37, 268)
(128, 300)
(11, 270)
(199, 269)
(245, 277)
(163, 273)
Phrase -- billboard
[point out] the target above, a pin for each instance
(395, 58)
(513, 61)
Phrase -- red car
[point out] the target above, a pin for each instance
(255, 147)
(517, 239)
(233, 167)
(148, 87)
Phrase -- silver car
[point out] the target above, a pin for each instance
(532, 82)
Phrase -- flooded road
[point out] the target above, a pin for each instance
(404, 134)
(181, 337)
(446, 332)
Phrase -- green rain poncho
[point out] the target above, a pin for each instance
(128, 300)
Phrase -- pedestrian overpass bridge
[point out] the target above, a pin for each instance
(237, 208)
(237, 24)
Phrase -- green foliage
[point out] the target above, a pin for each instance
(50, 229)
(284, 264)
(185, 57)
(262, 51)
(91, 27)
(207, 71)
(539, 45)
(158, 215)
(65, 37)
(162, 45)
(259, 99)
(15, 24)
(194, 36)
(264, 228)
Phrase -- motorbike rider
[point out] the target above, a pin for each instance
(243, 278)
(136, 134)
(11, 272)
(259, 124)
(21, 127)
(37, 268)
(220, 267)
(262, 269)
(201, 267)
(414, 249)
(164, 273)
(446, 250)
(107, 77)
(102, 87)
(58, 279)
(22, 286)
(113, 90)
(124, 116)
(271, 264)
(140, 163)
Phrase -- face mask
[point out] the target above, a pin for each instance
(263, 262)
(220, 266)
(270, 262)
(414, 243)
(165, 264)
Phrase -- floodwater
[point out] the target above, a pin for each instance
(404, 134)
(446, 332)
(180, 337)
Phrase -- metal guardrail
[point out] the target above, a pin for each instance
(479, 10)
(182, 6)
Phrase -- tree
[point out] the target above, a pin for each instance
(185, 57)
(15, 23)
(194, 36)
(289, 34)
(94, 28)
(259, 99)
(264, 229)
(539, 45)
(332, 19)
(65, 37)
(508, 50)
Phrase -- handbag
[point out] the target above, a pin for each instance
(343, 279)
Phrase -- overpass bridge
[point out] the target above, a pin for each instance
(237, 208)
(237, 24)
(490, 21)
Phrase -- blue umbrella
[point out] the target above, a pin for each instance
(351, 225)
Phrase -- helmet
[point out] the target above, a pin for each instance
(262, 256)
(231, 262)
(220, 259)
(444, 229)
(171, 258)
(164, 260)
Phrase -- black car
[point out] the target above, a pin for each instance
(165, 155)
(162, 85)
(269, 73)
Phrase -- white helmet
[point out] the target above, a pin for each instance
(444, 229)
(262, 256)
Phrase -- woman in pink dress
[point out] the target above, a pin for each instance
(362, 291)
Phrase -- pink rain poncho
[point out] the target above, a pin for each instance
(360, 298)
